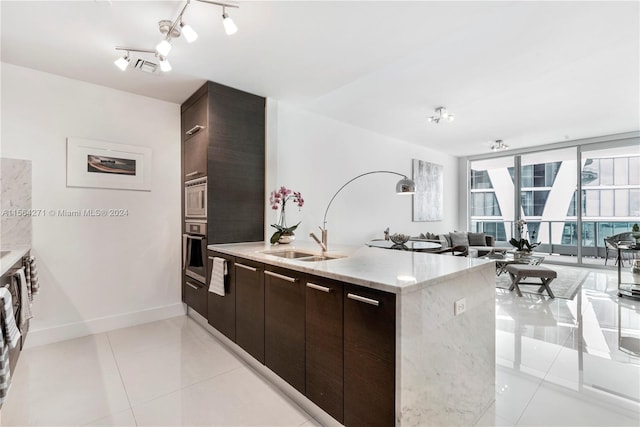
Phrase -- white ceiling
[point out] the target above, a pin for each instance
(528, 73)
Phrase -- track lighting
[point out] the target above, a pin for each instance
(441, 114)
(498, 145)
(163, 48)
(171, 30)
(189, 33)
(123, 62)
(229, 26)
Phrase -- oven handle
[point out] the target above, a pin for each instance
(191, 236)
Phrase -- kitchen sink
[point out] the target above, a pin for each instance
(291, 254)
(301, 256)
(316, 258)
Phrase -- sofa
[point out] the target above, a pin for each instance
(478, 244)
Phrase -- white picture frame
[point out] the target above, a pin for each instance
(100, 164)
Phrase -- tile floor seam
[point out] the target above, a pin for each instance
(145, 401)
(124, 386)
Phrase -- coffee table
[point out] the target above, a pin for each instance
(505, 259)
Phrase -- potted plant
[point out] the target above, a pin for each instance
(522, 244)
(635, 232)
(278, 200)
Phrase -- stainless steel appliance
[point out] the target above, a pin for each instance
(195, 198)
(194, 250)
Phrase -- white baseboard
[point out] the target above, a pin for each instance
(38, 337)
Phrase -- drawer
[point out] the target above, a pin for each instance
(195, 295)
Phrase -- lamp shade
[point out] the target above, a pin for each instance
(188, 32)
(229, 26)
(163, 48)
(406, 186)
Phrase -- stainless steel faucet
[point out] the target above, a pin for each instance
(323, 243)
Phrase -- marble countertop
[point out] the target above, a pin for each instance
(14, 255)
(388, 270)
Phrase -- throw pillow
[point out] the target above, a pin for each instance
(477, 239)
(459, 238)
(444, 241)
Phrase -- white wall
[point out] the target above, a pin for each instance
(96, 273)
(316, 155)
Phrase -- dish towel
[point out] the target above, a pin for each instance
(25, 304)
(5, 372)
(31, 274)
(9, 328)
(218, 271)
(8, 339)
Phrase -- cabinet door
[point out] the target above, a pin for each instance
(369, 357)
(195, 295)
(250, 307)
(195, 156)
(195, 118)
(324, 348)
(284, 325)
(222, 310)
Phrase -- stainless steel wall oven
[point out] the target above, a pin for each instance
(194, 250)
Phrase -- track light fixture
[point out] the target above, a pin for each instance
(229, 26)
(498, 145)
(441, 114)
(173, 29)
(123, 62)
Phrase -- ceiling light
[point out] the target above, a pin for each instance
(164, 64)
(498, 145)
(441, 114)
(173, 29)
(163, 48)
(123, 62)
(189, 33)
(229, 26)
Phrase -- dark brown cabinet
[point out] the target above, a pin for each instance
(195, 156)
(284, 325)
(324, 344)
(250, 307)
(223, 139)
(222, 310)
(369, 357)
(194, 294)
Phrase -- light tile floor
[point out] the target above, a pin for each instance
(558, 362)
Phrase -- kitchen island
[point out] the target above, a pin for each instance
(442, 325)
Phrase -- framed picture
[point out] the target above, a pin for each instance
(428, 198)
(99, 164)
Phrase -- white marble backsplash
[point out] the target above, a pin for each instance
(15, 198)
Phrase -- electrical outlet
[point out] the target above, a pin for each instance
(459, 306)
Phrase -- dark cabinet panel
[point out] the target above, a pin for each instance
(369, 357)
(324, 345)
(195, 117)
(194, 294)
(250, 307)
(284, 325)
(236, 165)
(195, 156)
(222, 310)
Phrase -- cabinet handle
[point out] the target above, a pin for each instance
(280, 276)
(191, 285)
(363, 299)
(246, 267)
(318, 287)
(196, 128)
(193, 173)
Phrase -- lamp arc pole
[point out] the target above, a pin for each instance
(404, 186)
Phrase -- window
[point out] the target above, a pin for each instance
(484, 204)
(480, 180)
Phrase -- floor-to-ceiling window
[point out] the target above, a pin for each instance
(491, 197)
(571, 196)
